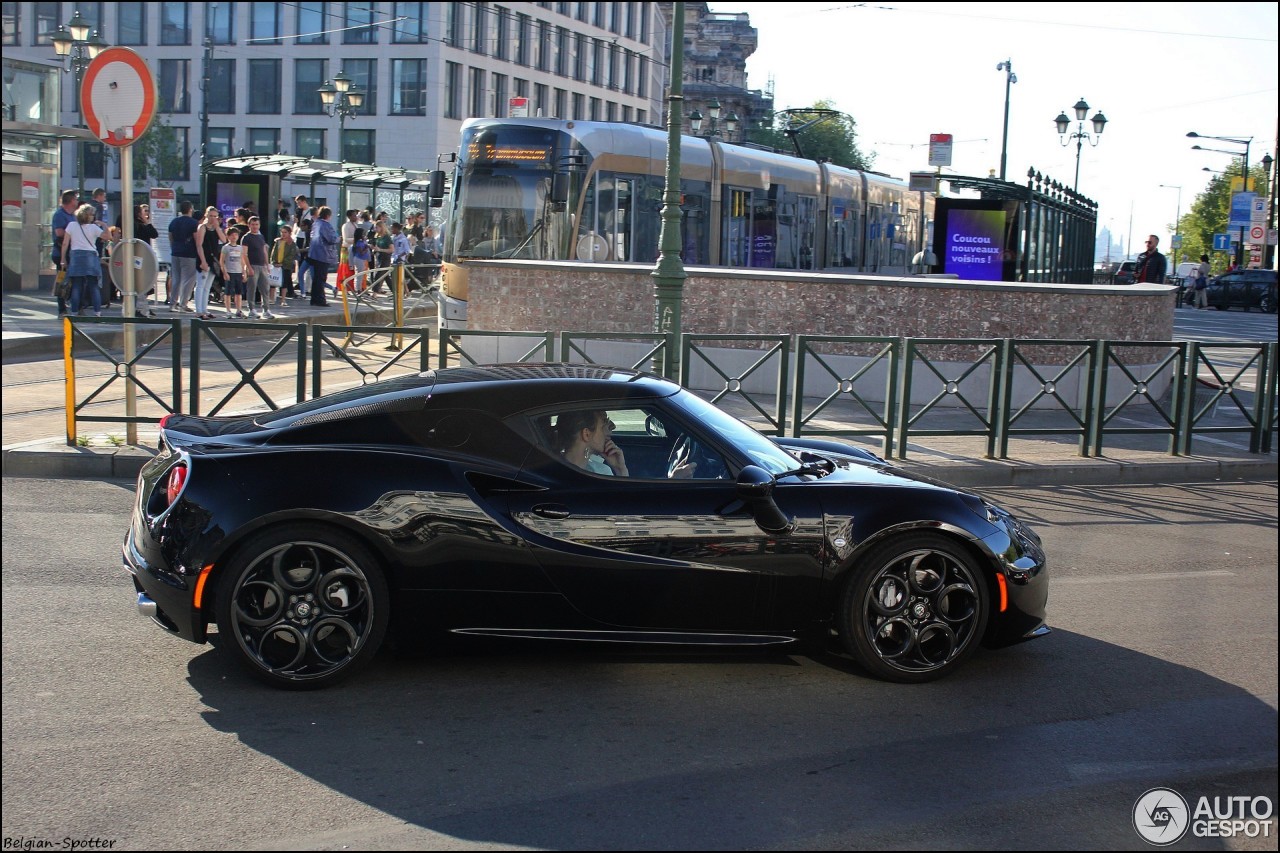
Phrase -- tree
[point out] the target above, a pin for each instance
(158, 155)
(830, 135)
(1210, 212)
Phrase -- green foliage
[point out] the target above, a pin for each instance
(832, 138)
(82, 440)
(1209, 215)
(157, 156)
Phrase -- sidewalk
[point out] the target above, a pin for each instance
(31, 330)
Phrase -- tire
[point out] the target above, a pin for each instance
(1267, 305)
(914, 608)
(303, 607)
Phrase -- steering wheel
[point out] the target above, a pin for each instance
(687, 451)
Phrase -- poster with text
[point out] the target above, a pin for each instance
(975, 244)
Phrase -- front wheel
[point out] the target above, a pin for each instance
(303, 607)
(914, 609)
(1267, 304)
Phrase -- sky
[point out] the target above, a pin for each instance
(1157, 70)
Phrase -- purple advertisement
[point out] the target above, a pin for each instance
(975, 244)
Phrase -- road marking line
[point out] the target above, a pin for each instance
(1149, 576)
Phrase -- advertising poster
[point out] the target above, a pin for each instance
(164, 207)
(975, 244)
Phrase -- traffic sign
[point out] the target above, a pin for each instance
(118, 96)
(1257, 233)
(1222, 242)
(939, 149)
(1176, 241)
(1258, 213)
(1241, 210)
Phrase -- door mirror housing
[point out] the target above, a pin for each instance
(755, 489)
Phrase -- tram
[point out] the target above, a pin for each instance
(552, 189)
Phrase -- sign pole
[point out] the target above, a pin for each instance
(130, 291)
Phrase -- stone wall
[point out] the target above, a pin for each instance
(539, 296)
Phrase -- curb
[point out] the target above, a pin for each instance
(53, 460)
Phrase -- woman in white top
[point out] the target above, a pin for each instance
(80, 258)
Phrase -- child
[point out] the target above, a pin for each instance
(360, 256)
(284, 254)
(232, 262)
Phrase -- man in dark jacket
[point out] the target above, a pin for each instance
(1151, 264)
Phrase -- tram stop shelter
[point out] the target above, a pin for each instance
(230, 181)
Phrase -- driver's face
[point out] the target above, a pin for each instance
(601, 434)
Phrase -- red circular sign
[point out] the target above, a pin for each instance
(118, 96)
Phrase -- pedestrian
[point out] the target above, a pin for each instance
(304, 209)
(400, 248)
(302, 239)
(184, 258)
(381, 245)
(232, 262)
(256, 269)
(1202, 283)
(81, 260)
(1151, 264)
(360, 257)
(98, 198)
(209, 241)
(144, 230)
(284, 256)
(62, 217)
(322, 255)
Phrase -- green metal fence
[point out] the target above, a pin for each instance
(884, 388)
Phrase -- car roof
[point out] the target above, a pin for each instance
(501, 389)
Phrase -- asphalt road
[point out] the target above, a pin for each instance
(1161, 671)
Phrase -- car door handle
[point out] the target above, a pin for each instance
(551, 510)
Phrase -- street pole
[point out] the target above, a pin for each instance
(669, 274)
(1177, 220)
(204, 116)
(1244, 173)
(1009, 80)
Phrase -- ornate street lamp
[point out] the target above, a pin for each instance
(1064, 124)
(76, 42)
(713, 110)
(343, 98)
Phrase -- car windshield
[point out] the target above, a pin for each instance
(759, 449)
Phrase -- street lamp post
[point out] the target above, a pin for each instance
(1244, 173)
(76, 42)
(1177, 223)
(713, 111)
(1064, 124)
(341, 97)
(669, 274)
(1269, 252)
(1009, 79)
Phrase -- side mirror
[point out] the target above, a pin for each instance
(755, 489)
(435, 187)
(559, 188)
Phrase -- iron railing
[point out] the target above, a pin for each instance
(890, 389)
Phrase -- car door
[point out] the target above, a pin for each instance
(653, 553)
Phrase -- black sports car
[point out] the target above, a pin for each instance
(564, 502)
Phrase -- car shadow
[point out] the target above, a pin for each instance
(557, 747)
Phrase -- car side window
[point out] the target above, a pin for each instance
(638, 442)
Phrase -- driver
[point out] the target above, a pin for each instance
(586, 441)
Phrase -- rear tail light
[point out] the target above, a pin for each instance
(177, 479)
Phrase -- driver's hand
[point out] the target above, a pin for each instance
(614, 458)
(684, 471)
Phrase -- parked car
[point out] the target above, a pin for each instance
(446, 501)
(1184, 277)
(1126, 273)
(1244, 289)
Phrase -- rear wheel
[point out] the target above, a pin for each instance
(915, 608)
(1267, 304)
(303, 607)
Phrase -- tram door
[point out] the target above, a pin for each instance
(737, 231)
(619, 220)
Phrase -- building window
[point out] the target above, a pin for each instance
(597, 62)
(308, 142)
(628, 72)
(264, 23)
(477, 92)
(47, 19)
(13, 24)
(524, 39)
(220, 97)
(455, 24)
(264, 86)
(521, 88)
(358, 146)
(544, 32)
(626, 113)
(579, 106)
(174, 167)
(615, 75)
(359, 16)
(313, 20)
(95, 160)
(220, 142)
(562, 98)
(413, 29)
(175, 23)
(610, 111)
(580, 60)
(501, 48)
(642, 79)
(640, 116)
(452, 90)
(92, 15)
(599, 16)
(220, 22)
(584, 12)
(562, 52)
(595, 109)
(175, 94)
(408, 87)
(264, 140)
(480, 28)
(308, 76)
(364, 73)
(131, 23)
(631, 20)
(646, 9)
(500, 95)
(540, 93)
(616, 11)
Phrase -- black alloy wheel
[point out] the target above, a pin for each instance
(303, 607)
(915, 608)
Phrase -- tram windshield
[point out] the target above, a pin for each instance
(504, 206)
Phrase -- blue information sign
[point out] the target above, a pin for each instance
(1222, 242)
(1241, 210)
